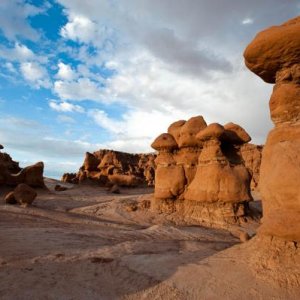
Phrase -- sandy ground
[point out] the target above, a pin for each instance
(86, 243)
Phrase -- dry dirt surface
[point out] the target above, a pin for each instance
(86, 243)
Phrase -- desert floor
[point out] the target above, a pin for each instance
(86, 243)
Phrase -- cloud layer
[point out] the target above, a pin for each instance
(115, 74)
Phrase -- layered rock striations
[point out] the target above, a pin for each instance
(12, 175)
(108, 167)
(201, 171)
(274, 55)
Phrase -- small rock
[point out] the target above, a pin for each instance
(60, 188)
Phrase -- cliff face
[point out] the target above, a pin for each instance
(11, 174)
(108, 167)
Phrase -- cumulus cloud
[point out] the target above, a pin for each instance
(14, 16)
(65, 72)
(102, 119)
(65, 107)
(81, 89)
(20, 53)
(35, 74)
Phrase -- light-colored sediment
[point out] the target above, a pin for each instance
(86, 243)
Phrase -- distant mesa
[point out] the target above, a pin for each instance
(205, 171)
(109, 168)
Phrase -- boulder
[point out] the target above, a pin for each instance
(189, 131)
(33, 175)
(174, 129)
(164, 142)
(274, 49)
(24, 194)
(236, 134)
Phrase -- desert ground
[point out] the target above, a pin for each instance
(87, 243)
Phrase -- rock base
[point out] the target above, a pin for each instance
(215, 214)
(275, 260)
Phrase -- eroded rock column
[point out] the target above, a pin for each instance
(274, 55)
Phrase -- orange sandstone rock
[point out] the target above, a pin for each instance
(189, 131)
(274, 55)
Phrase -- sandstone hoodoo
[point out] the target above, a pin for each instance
(201, 172)
(274, 55)
(108, 167)
(11, 174)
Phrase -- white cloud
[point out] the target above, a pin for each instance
(10, 67)
(35, 74)
(13, 19)
(247, 21)
(80, 29)
(65, 107)
(101, 118)
(21, 53)
(81, 89)
(65, 72)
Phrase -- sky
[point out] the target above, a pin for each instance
(79, 76)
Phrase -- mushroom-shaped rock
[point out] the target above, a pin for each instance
(236, 134)
(274, 49)
(274, 55)
(211, 132)
(24, 194)
(164, 142)
(169, 177)
(174, 129)
(216, 180)
(189, 131)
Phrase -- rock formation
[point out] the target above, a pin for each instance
(251, 155)
(108, 167)
(274, 55)
(11, 174)
(23, 195)
(201, 171)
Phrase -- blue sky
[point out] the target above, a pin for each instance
(78, 75)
